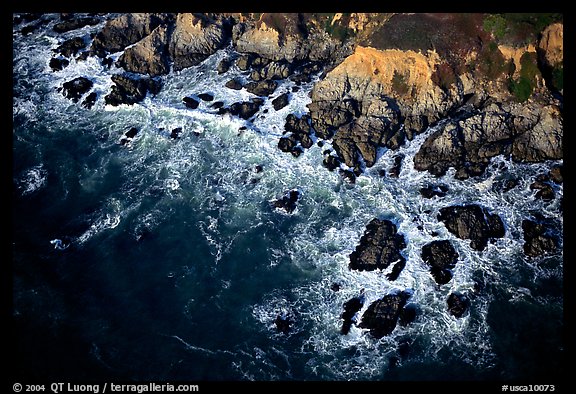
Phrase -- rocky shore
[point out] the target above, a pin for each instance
(382, 80)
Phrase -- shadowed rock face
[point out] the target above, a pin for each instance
(472, 222)
(379, 248)
(458, 304)
(537, 238)
(442, 258)
(382, 315)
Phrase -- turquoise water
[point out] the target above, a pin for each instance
(178, 264)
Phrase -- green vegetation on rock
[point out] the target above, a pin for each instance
(523, 87)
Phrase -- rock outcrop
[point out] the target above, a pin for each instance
(379, 247)
(382, 315)
(472, 222)
(538, 238)
(442, 258)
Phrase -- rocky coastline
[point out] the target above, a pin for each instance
(488, 92)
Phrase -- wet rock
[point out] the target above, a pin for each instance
(246, 109)
(430, 191)
(175, 133)
(280, 102)
(129, 90)
(509, 184)
(129, 136)
(394, 171)
(545, 191)
(223, 66)
(287, 144)
(71, 47)
(556, 174)
(382, 315)
(217, 104)
(331, 162)
(76, 88)
(288, 201)
(262, 88)
(538, 239)
(472, 222)
(206, 97)
(379, 247)
(73, 24)
(233, 84)
(351, 307)
(190, 102)
(58, 64)
(284, 321)
(458, 304)
(90, 100)
(442, 258)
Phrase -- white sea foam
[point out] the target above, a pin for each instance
(211, 168)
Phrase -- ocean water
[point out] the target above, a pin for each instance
(176, 265)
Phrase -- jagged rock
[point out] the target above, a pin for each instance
(382, 315)
(280, 102)
(149, 55)
(246, 109)
(262, 88)
(76, 88)
(71, 47)
(58, 64)
(128, 90)
(529, 133)
(379, 247)
(288, 201)
(442, 258)
(294, 40)
(129, 136)
(223, 66)
(273, 70)
(537, 239)
(73, 24)
(175, 133)
(90, 100)
(287, 144)
(430, 191)
(351, 307)
(125, 30)
(394, 171)
(194, 38)
(472, 222)
(458, 304)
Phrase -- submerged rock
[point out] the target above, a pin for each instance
(379, 247)
(472, 222)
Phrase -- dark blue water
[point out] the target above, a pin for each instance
(178, 265)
